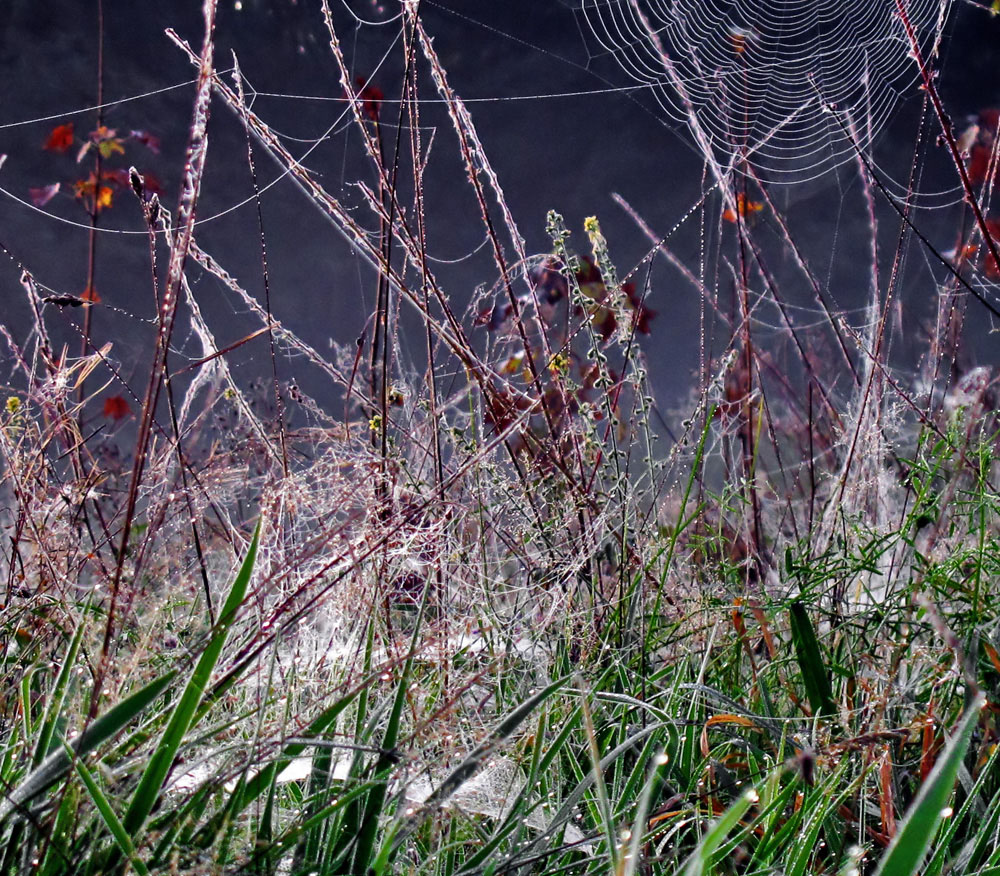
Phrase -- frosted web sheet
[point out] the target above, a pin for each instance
(758, 77)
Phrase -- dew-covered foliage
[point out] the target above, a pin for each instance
(482, 605)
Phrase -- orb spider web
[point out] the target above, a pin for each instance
(771, 82)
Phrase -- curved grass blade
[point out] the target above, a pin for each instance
(117, 830)
(48, 727)
(814, 674)
(701, 860)
(101, 730)
(156, 771)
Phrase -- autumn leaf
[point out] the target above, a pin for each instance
(60, 138)
(42, 195)
(116, 408)
(110, 147)
(150, 141)
(94, 195)
(371, 98)
(744, 206)
(90, 294)
(105, 139)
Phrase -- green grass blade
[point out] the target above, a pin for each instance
(908, 847)
(156, 771)
(701, 861)
(654, 783)
(107, 813)
(814, 674)
(100, 730)
(47, 730)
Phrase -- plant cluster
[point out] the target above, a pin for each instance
(496, 624)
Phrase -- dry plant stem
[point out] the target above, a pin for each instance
(868, 414)
(279, 402)
(147, 212)
(379, 354)
(95, 212)
(416, 158)
(416, 152)
(194, 167)
(800, 263)
(384, 302)
(748, 430)
(472, 150)
(946, 130)
(451, 333)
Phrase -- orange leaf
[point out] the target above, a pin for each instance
(758, 613)
(729, 718)
(744, 207)
(90, 294)
(92, 194)
(60, 139)
(991, 652)
(116, 408)
(738, 623)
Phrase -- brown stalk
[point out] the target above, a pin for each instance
(95, 210)
(947, 132)
(194, 168)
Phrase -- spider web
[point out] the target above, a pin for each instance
(771, 81)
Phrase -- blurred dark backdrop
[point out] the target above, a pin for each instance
(568, 152)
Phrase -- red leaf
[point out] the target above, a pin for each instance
(151, 184)
(977, 140)
(371, 98)
(118, 176)
(116, 408)
(41, 196)
(150, 141)
(60, 139)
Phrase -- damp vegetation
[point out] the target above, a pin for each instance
(485, 607)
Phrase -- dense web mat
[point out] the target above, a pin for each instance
(793, 85)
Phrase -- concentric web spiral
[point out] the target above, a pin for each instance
(757, 79)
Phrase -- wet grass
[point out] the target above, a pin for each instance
(504, 615)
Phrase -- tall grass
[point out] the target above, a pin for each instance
(495, 624)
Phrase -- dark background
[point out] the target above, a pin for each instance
(567, 153)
